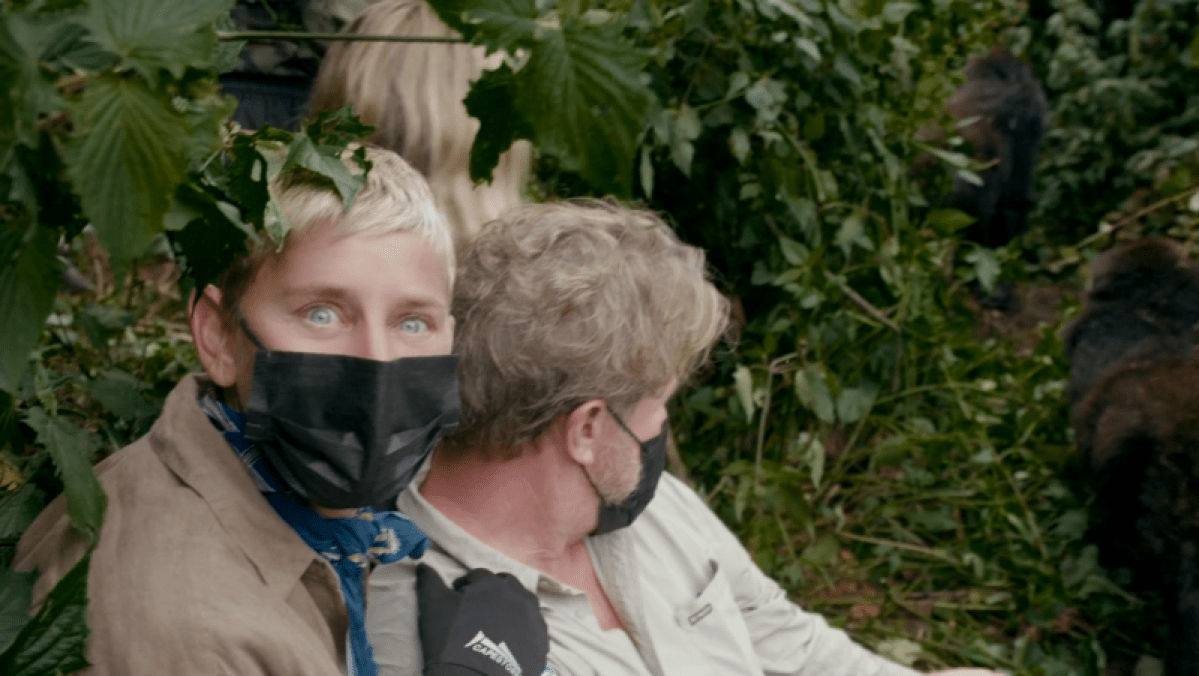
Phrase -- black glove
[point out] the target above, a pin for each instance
(487, 625)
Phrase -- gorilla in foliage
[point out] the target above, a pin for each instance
(1143, 303)
(1135, 408)
(1006, 107)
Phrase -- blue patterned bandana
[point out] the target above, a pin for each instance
(350, 544)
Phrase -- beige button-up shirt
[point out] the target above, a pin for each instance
(693, 600)
(194, 572)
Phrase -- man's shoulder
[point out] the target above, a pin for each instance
(676, 501)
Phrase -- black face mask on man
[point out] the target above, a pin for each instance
(653, 462)
(345, 431)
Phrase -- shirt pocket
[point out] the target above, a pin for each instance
(714, 624)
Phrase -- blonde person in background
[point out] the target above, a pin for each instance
(412, 92)
(576, 324)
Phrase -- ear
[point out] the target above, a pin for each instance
(583, 430)
(215, 344)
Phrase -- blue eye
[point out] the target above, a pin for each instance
(414, 325)
(321, 316)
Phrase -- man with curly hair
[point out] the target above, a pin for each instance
(576, 324)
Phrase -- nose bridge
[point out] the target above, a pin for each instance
(373, 339)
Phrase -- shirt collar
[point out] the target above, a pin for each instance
(197, 453)
(461, 545)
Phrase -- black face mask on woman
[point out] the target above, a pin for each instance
(653, 462)
(345, 431)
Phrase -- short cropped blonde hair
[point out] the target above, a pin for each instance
(395, 198)
(558, 304)
(413, 94)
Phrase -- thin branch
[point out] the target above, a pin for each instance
(232, 36)
(1152, 208)
(917, 549)
(870, 309)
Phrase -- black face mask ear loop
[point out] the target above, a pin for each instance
(621, 423)
(241, 321)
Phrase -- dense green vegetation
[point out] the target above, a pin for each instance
(896, 456)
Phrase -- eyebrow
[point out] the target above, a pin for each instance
(413, 301)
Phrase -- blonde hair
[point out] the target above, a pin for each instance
(395, 198)
(413, 93)
(558, 304)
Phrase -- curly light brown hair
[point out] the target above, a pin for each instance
(558, 304)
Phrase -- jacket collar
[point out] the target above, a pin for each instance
(196, 452)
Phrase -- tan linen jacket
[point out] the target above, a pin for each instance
(693, 600)
(194, 572)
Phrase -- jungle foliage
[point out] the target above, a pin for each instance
(882, 445)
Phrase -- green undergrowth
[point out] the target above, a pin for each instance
(936, 513)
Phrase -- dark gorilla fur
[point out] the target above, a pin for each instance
(1134, 390)
(1002, 92)
(1143, 303)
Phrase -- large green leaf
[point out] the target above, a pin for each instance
(582, 93)
(496, 24)
(209, 242)
(71, 449)
(151, 36)
(53, 642)
(18, 509)
(16, 591)
(121, 394)
(126, 159)
(578, 95)
(29, 279)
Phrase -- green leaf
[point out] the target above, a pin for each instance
(578, 95)
(209, 242)
(151, 36)
(70, 48)
(16, 592)
(986, 267)
(814, 394)
(45, 191)
(739, 144)
(29, 279)
(53, 642)
(121, 394)
(647, 171)
(900, 650)
(326, 160)
(744, 382)
(823, 551)
(493, 101)
(853, 231)
(855, 402)
(793, 251)
(30, 87)
(18, 509)
(71, 449)
(948, 221)
(334, 128)
(128, 156)
(496, 24)
(582, 88)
